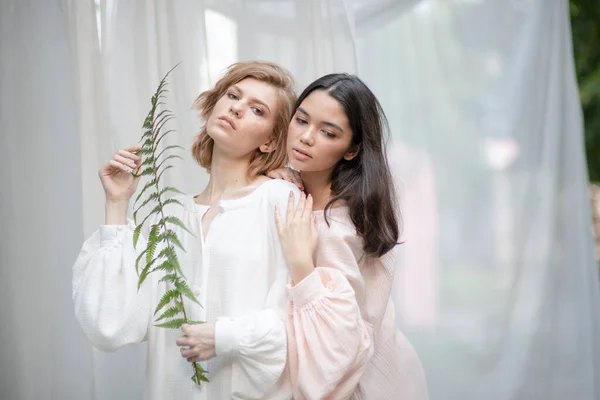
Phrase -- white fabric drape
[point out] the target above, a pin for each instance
(498, 286)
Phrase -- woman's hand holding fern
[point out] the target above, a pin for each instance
(197, 342)
(119, 183)
(298, 236)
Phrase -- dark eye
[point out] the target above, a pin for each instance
(232, 96)
(329, 134)
(258, 111)
(301, 121)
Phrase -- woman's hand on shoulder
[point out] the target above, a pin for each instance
(298, 236)
(287, 174)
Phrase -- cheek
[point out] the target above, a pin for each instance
(329, 153)
(259, 130)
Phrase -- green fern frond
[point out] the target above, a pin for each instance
(136, 234)
(147, 186)
(173, 324)
(170, 189)
(139, 258)
(163, 171)
(199, 374)
(171, 312)
(171, 147)
(162, 136)
(167, 266)
(172, 237)
(172, 156)
(169, 295)
(177, 221)
(185, 290)
(151, 197)
(173, 201)
(170, 278)
(162, 234)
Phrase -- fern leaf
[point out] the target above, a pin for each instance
(170, 278)
(152, 196)
(148, 161)
(149, 184)
(160, 122)
(160, 138)
(148, 122)
(147, 135)
(167, 158)
(145, 151)
(191, 322)
(167, 266)
(169, 295)
(173, 324)
(139, 258)
(147, 171)
(171, 312)
(163, 171)
(136, 234)
(173, 146)
(172, 237)
(172, 201)
(177, 221)
(185, 290)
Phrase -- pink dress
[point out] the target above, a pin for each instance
(342, 338)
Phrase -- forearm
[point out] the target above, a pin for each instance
(300, 270)
(116, 212)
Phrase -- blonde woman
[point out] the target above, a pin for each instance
(234, 262)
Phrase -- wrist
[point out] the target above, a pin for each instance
(116, 212)
(300, 270)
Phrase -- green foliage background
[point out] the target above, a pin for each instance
(585, 25)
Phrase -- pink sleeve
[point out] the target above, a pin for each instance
(329, 344)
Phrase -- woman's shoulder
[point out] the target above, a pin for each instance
(335, 226)
(278, 191)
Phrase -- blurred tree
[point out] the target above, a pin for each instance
(585, 25)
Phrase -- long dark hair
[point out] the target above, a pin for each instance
(365, 182)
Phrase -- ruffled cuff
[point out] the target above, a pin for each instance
(113, 235)
(309, 289)
(226, 340)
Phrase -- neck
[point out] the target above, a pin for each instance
(228, 176)
(318, 185)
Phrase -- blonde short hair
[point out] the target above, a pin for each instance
(267, 72)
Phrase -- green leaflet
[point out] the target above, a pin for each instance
(165, 299)
(173, 324)
(171, 312)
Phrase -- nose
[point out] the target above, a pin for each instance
(307, 138)
(235, 109)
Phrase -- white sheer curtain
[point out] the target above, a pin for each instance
(498, 285)
(497, 288)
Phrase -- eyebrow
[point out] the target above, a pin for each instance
(252, 99)
(331, 124)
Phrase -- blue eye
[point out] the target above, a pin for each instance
(301, 121)
(257, 111)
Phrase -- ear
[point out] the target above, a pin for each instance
(268, 147)
(351, 153)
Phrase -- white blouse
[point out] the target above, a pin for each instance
(239, 275)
